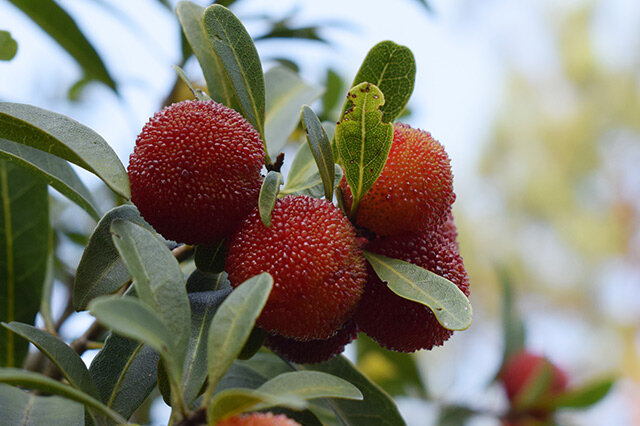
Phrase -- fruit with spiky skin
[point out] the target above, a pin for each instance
(400, 324)
(258, 419)
(523, 368)
(195, 171)
(312, 351)
(311, 251)
(414, 190)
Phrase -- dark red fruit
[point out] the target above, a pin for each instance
(414, 190)
(523, 367)
(195, 171)
(400, 324)
(312, 351)
(258, 419)
(311, 251)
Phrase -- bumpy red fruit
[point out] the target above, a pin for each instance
(258, 419)
(414, 190)
(195, 171)
(312, 351)
(400, 324)
(523, 367)
(310, 249)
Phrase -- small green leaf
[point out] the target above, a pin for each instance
(101, 270)
(231, 402)
(57, 172)
(199, 94)
(211, 258)
(62, 28)
(268, 196)
(310, 385)
(232, 325)
(235, 48)
(8, 46)
(253, 344)
(304, 177)
(512, 325)
(334, 92)
(585, 395)
(22, 408)
(320, 148)
(31, 380)
(204, 281)
(448, 303)
(535, 388)
(25, 247)
(392, 68)
(454, 415)
(159, 282)
(363, 141)
(286, 92)
(66, 138)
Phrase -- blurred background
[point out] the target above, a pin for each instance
(537, 103)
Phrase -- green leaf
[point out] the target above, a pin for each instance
(268, 196)
(535, 388)
(363, 141)
(101, 270)
(253, 344)
(66, 359)
(454, 415)
(236, 50)
(203, 306)
(8, 46)
(25, 246)
(204, 281)
(211, 258)
(62, 28)
(334, 92)
(218, 81)
(286, 92)
(512, 324)
(57, 173)
(199, 94)
(66, 138)
(304, 177)
(320, 148)
(448, 303)
(22, 408)
(232, 325)
(231, 402)
(585, 395)
(125, 373)
(392, 68)
(31, 380)
(310, 385)
(159, 282)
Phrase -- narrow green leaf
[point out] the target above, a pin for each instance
(448, 303)
(62, 28)
(203, 306)
(363, 141)
(218, 81)
(454, 415)
(31, 380)
(231, 402)
(320, 148)
(65, 358)
(236, 50)
(199, 94)
(205, 281)
(66, 138)
(8, 46)
(311, 385)
(535, 388)
(334, 92)
(232, 325)
(286, 92)
(392, 68)
(125, 373)
(101, 270)
(268, 196)
(585, 395)
(512, 325)
(159, 282)
(57, 172)
(302, 169)
(210, 258)
(27, 409)
(25, 245)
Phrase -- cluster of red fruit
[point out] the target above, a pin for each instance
(196, 176)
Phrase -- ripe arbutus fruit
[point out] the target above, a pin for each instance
(414, 190)
(258, 419)
(310, 249)
(312, 351)
(400, 324)
(195, 171)
(523, 367)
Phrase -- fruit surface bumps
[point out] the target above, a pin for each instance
(310, 249)
(258, 419)
(312, 351)
(400, 324)
(195, 171)
(523, 367)
(414, 190)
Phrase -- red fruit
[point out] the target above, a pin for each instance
(312, 351)
(311, 251)
(400, 324)
(258, 419)
(195, 171)
(414, 190)
(523, 367)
